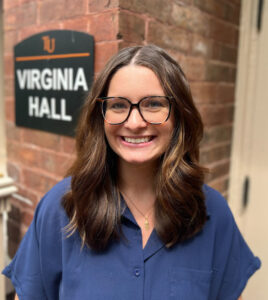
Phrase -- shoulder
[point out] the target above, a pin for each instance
(49, 209)
(218, 209)
(54, 196)
(58, 191)
(215, 202)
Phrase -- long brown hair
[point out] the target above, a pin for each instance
(93, 202)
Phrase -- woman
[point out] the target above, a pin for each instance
(134, 219)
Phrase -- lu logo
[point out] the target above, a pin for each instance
(49, 44)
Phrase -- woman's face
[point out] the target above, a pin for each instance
(136, 141)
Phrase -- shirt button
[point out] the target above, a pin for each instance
(137, 272)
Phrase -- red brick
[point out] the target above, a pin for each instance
(23, 230)
(25, 155)
(201, 46)
(131, 28)
(10, 111)
(184, 2)
(223, 32)
(226, 93)
(30, 194)
(224, 53)
(9, 88)
(234, 2)
(26, 32)
(216, 114)
(211, 92)
(101, 5)
(225, 11)
(13, 132)
(195, 68)
(51, 10)
(217, 134)
(10, 18)
(229, 54)
(218, 170)
(29, 156)
(123, 44)
(68, 145)
(13, 171)
(20, 16)
(108, 22)
(159, 9)
(220, 72)
(28, 14)
(27, 217)
(79, 24)
(104, 51)
(42, 139)
(134, 5)
(220, 185)
(190, 18)
(232, 13)
(216, 153)
(9, 66)
(213, 7)
(55, 163)
(10, 40)
(204, 92)
(7, 4)
(75, 8)
(37, 181)
(179, 57)
(168, 37)
(25, 1)
(56, 25)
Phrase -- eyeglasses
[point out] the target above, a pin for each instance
(153, 109)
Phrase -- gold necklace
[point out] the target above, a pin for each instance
(146, 216)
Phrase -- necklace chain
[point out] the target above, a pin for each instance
(146, 216)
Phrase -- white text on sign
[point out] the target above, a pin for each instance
(45, 107)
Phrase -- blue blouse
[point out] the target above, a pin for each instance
(214, 265)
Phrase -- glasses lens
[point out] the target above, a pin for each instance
(155, 109)
(115, 110)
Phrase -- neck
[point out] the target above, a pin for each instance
(138, 183)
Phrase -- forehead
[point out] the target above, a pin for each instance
(135, 82)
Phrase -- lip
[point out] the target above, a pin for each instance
(135, 145)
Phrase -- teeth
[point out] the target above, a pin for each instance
(137, 141)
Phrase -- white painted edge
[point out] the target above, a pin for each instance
(22, 199)
(7, 187)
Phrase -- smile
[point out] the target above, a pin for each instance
(138, 140)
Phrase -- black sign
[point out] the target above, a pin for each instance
(53, 73)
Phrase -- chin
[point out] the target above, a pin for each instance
(139, 162)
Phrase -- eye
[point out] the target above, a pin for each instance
(116, 105)
(154, 103)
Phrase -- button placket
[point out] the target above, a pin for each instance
(137, 272)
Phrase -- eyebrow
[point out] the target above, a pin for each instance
(146, 96)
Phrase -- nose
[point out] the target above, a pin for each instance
(135, 120)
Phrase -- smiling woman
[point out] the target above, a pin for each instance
(136, 138)
(134, 219)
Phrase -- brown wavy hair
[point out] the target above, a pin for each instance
(93, 202)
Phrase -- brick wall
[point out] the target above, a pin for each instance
(37, 160)
(201, 35)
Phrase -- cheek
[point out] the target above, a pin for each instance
(169, 129)
(110, 132)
